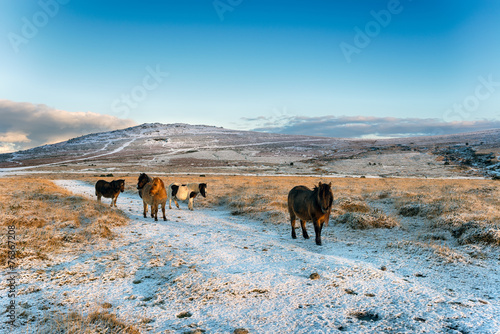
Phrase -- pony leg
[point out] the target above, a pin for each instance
(163, 211)
(304, 231)
(292, 222)
(191, 204)
(99, 198)
(176, 204)
(317, 228)
(154, 211)
(145, 209)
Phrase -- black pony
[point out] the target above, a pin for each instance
(109, 190)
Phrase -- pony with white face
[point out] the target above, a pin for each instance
(182, 192)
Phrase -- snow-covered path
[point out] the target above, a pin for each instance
(209, 270)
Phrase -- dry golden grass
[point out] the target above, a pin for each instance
(48, 219)
(469, 209)
(362, 221)
(99, 321)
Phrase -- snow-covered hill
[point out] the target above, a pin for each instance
(181, 148)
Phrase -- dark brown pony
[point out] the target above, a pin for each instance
(109, 189)
(310, 205)
(143, 179)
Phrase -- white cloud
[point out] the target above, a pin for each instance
(7, 147)
(14, 136)
(26, 125)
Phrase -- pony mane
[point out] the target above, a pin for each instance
(316, 187)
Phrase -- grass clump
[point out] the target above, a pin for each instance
(351, 205)
(75, 323)
(48, 219)
(468, 209)
(363, 221)
(477, 232)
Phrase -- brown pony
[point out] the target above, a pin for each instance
(109, 190)
(314, 205)
(154, 193)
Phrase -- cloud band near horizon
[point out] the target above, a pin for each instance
(366, 127)
(25, 125)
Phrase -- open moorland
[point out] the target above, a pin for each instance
(412, 246)
(399, 255)
(182, 148)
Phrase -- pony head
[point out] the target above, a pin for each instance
(156, 186)
(143, 179)
(325, 196)
(203, 189)
(121, 185)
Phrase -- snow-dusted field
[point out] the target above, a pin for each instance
(215, 272)
(206, 149)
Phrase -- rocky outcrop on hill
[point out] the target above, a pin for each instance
(487, 163)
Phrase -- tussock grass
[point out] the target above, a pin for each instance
(469, 209)
(356, 213)
(49, 219)
(99, 321)
(363, 221)
(353, 205)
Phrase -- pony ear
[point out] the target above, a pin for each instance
(320, 184)
(330, 184)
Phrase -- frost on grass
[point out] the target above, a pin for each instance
(49, 220)
(477, 232)
(95, 322)
(441, 253)
(352, 205)
(362, 221)
(469, 213)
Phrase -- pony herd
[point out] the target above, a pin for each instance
(303, 203)
(153, 193)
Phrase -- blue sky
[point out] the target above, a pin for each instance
(304, 66)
